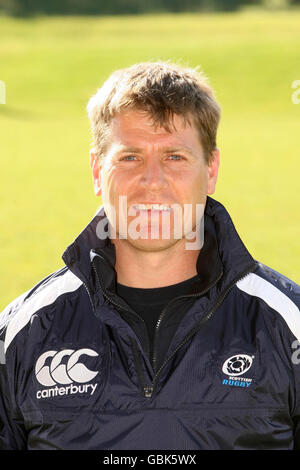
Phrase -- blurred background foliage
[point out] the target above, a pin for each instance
(119, 7)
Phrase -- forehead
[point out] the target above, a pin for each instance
(132, 127)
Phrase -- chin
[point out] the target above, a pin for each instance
(152, 245)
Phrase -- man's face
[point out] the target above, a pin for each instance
(158, 174)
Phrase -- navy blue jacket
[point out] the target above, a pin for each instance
(76, 369)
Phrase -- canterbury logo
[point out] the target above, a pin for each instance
(67, 372)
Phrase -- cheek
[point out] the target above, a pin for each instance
(194, 185)
(121, 182)
(110, 184)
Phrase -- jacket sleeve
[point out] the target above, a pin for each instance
(297, 435)
(12, 430)
(296, 412)
(296, 416)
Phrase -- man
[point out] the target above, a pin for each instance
(162, 331)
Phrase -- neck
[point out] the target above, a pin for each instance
(150, 269)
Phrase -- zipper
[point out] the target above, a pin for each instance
(148, 391)
(118, 306)
(139, 367)
(198, 294)
(90, 297)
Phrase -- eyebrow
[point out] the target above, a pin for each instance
(124, 148)
(165, 149)
(179, 149)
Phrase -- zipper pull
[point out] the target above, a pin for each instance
(148, 392)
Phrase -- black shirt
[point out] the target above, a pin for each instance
(149, 303)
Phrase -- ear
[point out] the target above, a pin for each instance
(213, 168)
(96, 172)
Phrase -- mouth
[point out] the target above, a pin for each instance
(155, 207)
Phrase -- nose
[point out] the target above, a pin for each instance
(153, 176)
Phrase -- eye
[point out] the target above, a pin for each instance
(175, 157)
(129, 158)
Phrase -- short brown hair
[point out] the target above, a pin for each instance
(163, 90)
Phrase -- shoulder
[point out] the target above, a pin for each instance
(277, 292)
(47, 292)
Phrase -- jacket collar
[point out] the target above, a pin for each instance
(222, 258)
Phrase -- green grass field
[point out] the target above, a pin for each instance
(52, 66)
